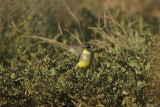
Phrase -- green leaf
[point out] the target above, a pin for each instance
(147, 67)
(13, 76)
(53, 72)
(141, 83)
(133, 63)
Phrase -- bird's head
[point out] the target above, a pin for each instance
(86, 47)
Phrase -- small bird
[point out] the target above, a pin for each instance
(86, 58)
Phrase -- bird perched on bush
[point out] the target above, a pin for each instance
(86, 58)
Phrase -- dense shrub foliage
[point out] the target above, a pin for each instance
(115, 79)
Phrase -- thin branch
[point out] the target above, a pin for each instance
(60, 29)
(79, 41)
(64, 46)
(71, 13)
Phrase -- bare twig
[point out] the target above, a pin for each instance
(71, 13)
(59, 27)
(64, 46)
(14, 25)
(79, 41)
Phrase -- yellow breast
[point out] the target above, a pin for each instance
(84, 64)
(85, 60)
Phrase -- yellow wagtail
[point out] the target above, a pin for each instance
(86, 58)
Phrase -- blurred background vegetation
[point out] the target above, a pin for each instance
(40, 41)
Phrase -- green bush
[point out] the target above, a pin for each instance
(115, 79)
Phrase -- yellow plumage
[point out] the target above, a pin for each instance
(86, 57)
